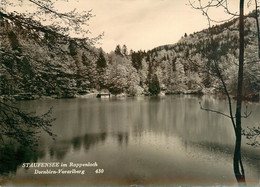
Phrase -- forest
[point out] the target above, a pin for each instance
(64, 68)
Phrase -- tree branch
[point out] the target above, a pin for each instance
(214, 111)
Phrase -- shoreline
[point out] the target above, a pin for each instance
(94, 93)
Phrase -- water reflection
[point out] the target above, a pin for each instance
(59, 149)
(122, 138)
(12, 157)
(145, 140)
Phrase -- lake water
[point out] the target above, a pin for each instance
(137, 141)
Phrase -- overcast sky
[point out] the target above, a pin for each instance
(143, 24)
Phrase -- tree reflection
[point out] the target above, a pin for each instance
(76, 143)
(13, 156)
(59, 149)
(90, 140)
(122, 138)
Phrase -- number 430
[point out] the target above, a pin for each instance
(99, 171)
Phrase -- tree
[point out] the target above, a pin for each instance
(101, 62)
(152, 79)
(72, 48)
(16, 124)
(101, 65)
(154, 85)
(118, 50)
(236, 120)
(90, 73)
(257, 25)
(137, 58)
(124, 50)
(63, 24)
(22, 126)
(117, 80)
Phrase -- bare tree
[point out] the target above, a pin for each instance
(236, 120)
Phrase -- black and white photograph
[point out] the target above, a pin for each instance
(129, 93)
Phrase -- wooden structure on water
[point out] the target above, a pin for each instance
(103, 95)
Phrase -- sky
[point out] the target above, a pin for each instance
(145, 24)
(142, 24)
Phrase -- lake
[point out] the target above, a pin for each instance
(136, 141)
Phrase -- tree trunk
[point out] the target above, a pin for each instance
(257, 27)
(237, 161)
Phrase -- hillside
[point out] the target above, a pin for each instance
(35, 64)
(41, 64)
(193, 58)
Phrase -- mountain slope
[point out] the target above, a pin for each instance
(35, 63)
(193, 57)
